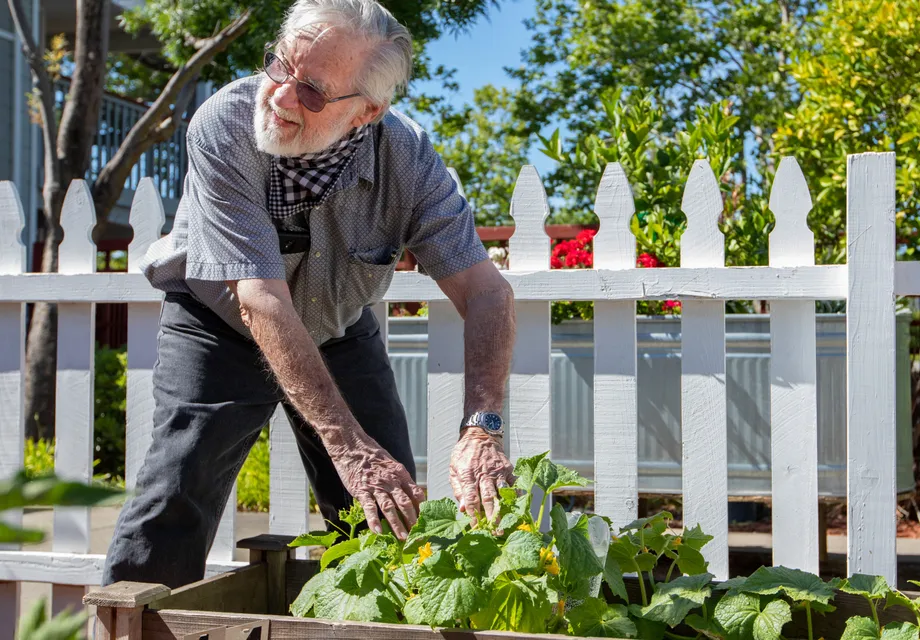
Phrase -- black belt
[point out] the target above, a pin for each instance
(293, 242)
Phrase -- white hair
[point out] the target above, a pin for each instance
(388, 66)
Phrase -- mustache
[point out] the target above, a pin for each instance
(285, 114)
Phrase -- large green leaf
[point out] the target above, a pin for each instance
(516, 604)
(476, 551)
(315, 538)
(521, 552)
(874, 587)
(338, 551)
(709, 628)
(357, 569)
(597, 619)
(363, 605)
(445, 593)
(900, 631)
(743, 616)
(796, 584)
(896, 598)
(648, 629)
(860, 628)
(657, 522)
(674, 600)
(690, 560)
(695, 538)
(303, 604)
(525, 469)
(18, 492)
(66, 625)
(613, 576)
(625, 552)
(437, 519)
(576, 555)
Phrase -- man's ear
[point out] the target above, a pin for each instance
(370, 112)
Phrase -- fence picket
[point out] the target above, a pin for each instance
(871, 434)
(529, 416)
(703, 409)
(73, 457)
(289, 489)
(616, 446)
(147, 218)
(793, 379)
(445, 394)
(12, 366)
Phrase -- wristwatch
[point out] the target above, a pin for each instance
(489, 422)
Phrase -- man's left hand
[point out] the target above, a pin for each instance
(478, 469)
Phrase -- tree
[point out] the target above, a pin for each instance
(482, 143)
(196, 38)
(684, 53)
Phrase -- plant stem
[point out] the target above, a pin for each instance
(540, 515)
(705, 611)
(351, 534)
(874, 613)
(651, 580)
(675, 636)
(642, 589)
(811, 634)
(667, 578)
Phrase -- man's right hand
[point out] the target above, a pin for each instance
(376, 479)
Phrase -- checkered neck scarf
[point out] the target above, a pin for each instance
(308, 177)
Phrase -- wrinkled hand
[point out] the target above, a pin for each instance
(375, 478)
(478, 469)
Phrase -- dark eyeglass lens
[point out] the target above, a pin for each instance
(310, 97)
(274, 68)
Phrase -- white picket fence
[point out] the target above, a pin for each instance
(869, 282)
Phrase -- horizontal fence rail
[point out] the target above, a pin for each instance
(868, 282)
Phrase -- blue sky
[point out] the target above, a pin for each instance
(480, 56)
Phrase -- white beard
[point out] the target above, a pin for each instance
(286, 141)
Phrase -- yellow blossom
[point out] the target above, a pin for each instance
(677, 541)
(411, 595)
(549, 562)
(525, 527)
(424, 553)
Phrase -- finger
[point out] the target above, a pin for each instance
(391, 513)
(406, 507)
(458, 490)
(471, 496)
(489, 493)
(416, 494)
(370, 512)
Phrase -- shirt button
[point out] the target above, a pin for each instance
(312, 299)
(317, 254)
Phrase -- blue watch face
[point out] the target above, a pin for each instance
(492, 422)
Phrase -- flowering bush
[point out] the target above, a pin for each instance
(579, 254)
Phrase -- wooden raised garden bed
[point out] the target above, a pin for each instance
(230, 606)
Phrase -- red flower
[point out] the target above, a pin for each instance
(586, 236)
(647, 260)
(671, 305)
(555, 262)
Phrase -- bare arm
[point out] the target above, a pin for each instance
(367, 471)
(485, 300)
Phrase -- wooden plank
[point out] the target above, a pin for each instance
(125, 594)
(445, 394)
(793, 382)
(128, 624)
(9, 608)
(822, 282)
(169, 624)
(289, 489)
(616, 435)
(267, 542)
(871, 437)
(12, 361)
(73, 458)
(296, 574)
(147, 218)
(703, 404)
(240, 591)
(528, 431)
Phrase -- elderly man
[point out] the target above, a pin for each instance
(303, 189)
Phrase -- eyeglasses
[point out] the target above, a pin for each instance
(309, 96)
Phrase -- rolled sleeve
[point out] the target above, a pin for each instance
(230, 233)
(443, 230)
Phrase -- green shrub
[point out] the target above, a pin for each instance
(39, 458)
(109, 412)
(252, 483)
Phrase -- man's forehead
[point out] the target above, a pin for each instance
(316, 56)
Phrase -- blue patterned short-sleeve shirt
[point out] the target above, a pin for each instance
(395, 193)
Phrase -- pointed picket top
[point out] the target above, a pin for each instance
(614, 244)
(77, 253)
(147, 219)
(702, 244)
(792, 243)
(528, 249)
(453, 174)
(12, 221)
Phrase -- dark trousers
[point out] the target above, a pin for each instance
(213, 394)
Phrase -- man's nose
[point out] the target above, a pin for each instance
(286, 95)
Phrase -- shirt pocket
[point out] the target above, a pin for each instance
(369, 273)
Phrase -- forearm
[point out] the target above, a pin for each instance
(489, 340)
(300, 371)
